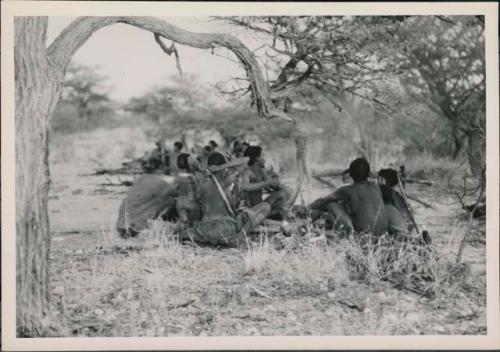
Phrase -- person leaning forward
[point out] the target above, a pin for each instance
(256, 181)
(221, 224)
(358, 207)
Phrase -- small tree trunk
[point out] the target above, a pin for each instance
(302, 168)
(37, 90)
(476, 153)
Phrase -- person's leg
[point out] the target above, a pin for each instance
(278, 200)
(337, 214)
(254, 216)
(397, 223)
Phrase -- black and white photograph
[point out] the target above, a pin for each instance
(250, 175)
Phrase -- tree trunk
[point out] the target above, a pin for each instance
(476, 152)
(37, 90)
(302, 167)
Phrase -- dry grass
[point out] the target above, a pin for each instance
(156, 286)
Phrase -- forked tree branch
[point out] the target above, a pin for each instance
(169, 52)
(80, 30)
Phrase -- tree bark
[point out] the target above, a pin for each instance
(37, 86)
(302, 167)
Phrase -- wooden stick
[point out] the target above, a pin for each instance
(325, 182)
(427, 205)
(260, 293)
(410, 210)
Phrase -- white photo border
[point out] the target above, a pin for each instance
(117, 8)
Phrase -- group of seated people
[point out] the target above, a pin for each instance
(163, 161)
(366, 207)
(217, 198)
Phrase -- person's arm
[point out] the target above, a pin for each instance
(249, 186)
(333, 197)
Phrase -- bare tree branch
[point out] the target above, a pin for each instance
(169, 51)
(77, 33)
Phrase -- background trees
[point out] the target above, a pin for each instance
(84, 101)
(442, 60)
(387, 62)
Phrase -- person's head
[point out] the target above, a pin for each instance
(207, 150)
(178, 146)
(213, 144)
(182, 162)
(359, 170)
(216, 159)
(254, 153)
(389, 177)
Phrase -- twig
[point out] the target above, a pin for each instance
(325, 182)
(410, 210)
(359, 308)
(185, 304)
(260, 293)
(427, 205)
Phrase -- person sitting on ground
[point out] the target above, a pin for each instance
(239, 148)
(150, 198)
(256, 181)
(187, 184)
(178, 146)
(157, 160)
(357, 207)
(221, 223)
(203, 156)
(398, 214)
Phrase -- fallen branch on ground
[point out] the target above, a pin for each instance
(427, 205)
(260, 293)
(325, 182)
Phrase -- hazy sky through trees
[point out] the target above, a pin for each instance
(134, 63)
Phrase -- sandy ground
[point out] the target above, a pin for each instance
(104, 286)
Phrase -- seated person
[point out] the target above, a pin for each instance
(398, 214)
(358, 207)
(157, 160)
(149, 198)
(221, 224)
(178, 146)
(239, 147)
(203, 156)
(256, 181)
(186, 184)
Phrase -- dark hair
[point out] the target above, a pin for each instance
(216, 159)
(182, 161)
(213, 144)
(253, 152)
(179, 145)
(390, 176)
(359, 170)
